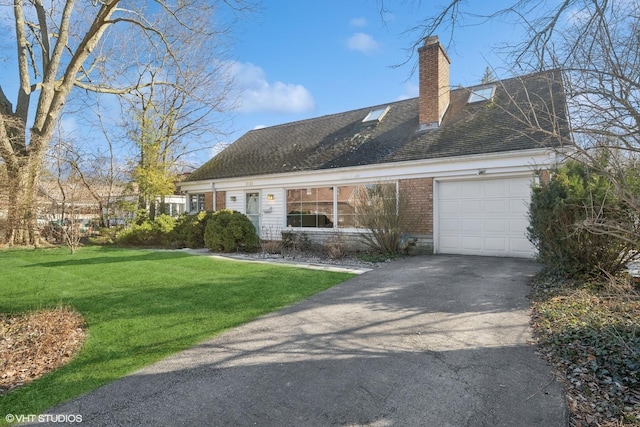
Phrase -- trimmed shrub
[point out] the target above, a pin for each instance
(189, 230)
(164, 224)
(230, 231)
(561, 214)
(106, 236)
(149, 233)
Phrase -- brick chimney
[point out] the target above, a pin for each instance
(433, 65)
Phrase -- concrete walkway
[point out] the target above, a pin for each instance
(424, 341)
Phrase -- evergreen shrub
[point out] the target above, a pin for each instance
(230, 231)
(189, 230)
(563, 218)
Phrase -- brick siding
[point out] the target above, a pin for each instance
(419, 198)
(208, 201)
(221, 200)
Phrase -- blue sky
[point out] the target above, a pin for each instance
(302, 59)
(297, 59)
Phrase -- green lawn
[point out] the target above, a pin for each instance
(140, 306)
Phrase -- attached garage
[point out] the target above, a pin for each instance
(483, 217)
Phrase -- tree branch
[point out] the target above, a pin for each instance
(44, 33)
(24, 91)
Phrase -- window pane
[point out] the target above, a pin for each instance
(347, 204)
(294, 209)
(357, 201)
(324, 207)
(196, 203)
(310, 207)
(481, 94)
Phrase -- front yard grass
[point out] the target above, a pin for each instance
(139, 306)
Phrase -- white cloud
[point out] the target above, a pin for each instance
(258, 94)
(70, 126)
(363, 42)
(578, 16)
(358, 22)
(217, 149)
(411, 90)
(256, 127)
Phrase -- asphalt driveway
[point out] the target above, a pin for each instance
(424, 341)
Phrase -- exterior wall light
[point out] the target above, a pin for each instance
(232, 198)
(270, 197)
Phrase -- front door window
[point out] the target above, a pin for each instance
(253, 209)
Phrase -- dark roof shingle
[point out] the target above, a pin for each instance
(342, 140)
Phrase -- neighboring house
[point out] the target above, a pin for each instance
(75, 200)
(174, 205)
(463, 157)
(58, 202)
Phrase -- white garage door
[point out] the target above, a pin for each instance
(484, 217)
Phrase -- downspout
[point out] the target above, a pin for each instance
(215, 199)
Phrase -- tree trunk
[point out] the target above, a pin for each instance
(152, 209)
(22, 225)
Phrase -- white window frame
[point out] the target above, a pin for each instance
(199, 202)
(334, 218)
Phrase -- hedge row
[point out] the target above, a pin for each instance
(221, 231)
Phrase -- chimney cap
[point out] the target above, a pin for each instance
(430, 40)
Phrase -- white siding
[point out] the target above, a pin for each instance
(238, 204)
(272, 213)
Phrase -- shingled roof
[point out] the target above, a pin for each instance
(343, 140)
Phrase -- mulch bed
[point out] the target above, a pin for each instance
(36, 343)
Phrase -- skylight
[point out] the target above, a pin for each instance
(376, 115)
(483, 93)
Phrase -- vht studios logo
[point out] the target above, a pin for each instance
(43, 418)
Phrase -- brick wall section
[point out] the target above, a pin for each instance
(419, 196)
(221, 200)
(434, 81)
(208, 201)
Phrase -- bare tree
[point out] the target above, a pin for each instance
(102, 173)
(383, 210)
(4, 197)
(543, 24)
(169, 122)
(70, 188)
(59, 47)
(600, 56)
(93, 172)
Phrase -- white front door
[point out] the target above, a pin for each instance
(252, 209)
